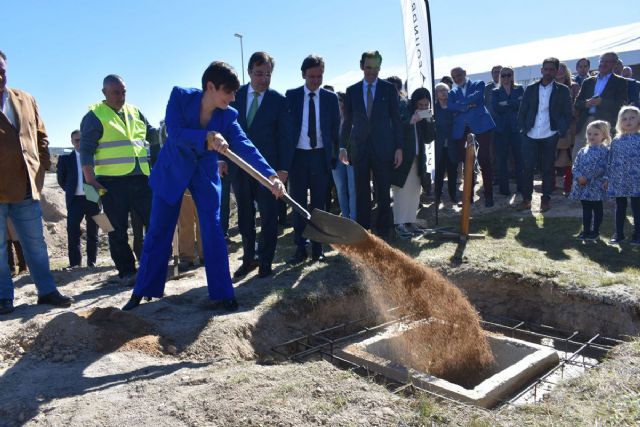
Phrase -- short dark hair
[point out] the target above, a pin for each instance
(448, 80)
(396, 81)
(221, 74)
(112, 79)
(329, 88)
(371, 54)
(584, 59)
(2, 55)
(552, 60)
(310, 62)
(417, 95)
(259, 58)
(74, 132)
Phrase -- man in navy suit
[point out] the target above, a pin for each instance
(315, 117)
(372, 130)
(263, 116)
(544, 117)
(69, 173)
(466, 98)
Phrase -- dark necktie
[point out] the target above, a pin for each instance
(313, 137)
(369, 100)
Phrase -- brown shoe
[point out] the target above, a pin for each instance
(525, 205)
(545, 205)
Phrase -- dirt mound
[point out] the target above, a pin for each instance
(68, 335)
(457, 349)
(53, 204)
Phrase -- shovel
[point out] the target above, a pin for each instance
(321, 226)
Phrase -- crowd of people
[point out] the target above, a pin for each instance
(369, 142)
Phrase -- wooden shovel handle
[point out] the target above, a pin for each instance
(265, 181)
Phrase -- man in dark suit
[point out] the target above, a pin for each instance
(373, 131)
(315, 118)
(70, 178)
(600, 98)
(263, 116)
(544, 116)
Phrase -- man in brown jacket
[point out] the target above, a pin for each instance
(24, 157)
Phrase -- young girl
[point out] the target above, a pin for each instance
(589, 178)
(624, 171)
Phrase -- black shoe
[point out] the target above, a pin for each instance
(488, 202)
(6, 306)
(91, 264)
(581, 236)
(265, 271)
(245, 268)
(230, 304)
(185, 266)
(56, 299)
(134, 301)
(299, 256)
(616, 238)
(318, 257)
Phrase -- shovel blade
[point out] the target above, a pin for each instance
(324, 227)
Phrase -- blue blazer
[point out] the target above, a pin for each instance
(383, 128)
(476, 118)
(506, 116)
(329, 120)
(270, 130)
(184, 153)
(67, 174)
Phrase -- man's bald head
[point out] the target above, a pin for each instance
(459, 75)
(114, 91)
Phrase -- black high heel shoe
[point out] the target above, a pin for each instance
(134, 301)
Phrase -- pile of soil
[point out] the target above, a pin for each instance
(457, 349)
(68, 335)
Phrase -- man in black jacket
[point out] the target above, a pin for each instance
(544, 116)
(70, 178)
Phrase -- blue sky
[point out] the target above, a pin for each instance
(59, 51)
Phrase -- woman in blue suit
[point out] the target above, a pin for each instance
(506, 100)
(199, 124)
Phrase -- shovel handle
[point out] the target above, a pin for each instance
(265, 181)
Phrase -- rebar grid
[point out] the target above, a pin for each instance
(575, 349)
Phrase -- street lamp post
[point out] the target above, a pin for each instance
(238, 35)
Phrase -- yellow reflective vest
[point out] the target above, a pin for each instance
(121, 143)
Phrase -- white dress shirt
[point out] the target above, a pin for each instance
(364, 91)
(79, 186)
(601, 83)
(542, 127)
(304, 142)
(250, 99)
(7, 108)
(463, 88)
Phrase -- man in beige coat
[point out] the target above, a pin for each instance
(24, 157)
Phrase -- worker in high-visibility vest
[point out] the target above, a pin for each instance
(114, 160)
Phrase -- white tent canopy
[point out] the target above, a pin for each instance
(526, 58)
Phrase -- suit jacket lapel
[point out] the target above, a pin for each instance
(299, 105)
(241, 104)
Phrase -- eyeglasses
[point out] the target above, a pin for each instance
(506, 75)
(75, 140)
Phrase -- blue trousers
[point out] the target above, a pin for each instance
(346, 189)
(27, 220)
(156, 251)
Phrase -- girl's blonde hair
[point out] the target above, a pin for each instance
(604, 127)
(622, 111)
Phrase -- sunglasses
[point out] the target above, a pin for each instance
(506, 75)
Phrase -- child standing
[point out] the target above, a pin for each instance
(624, 171)
(589, 178)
